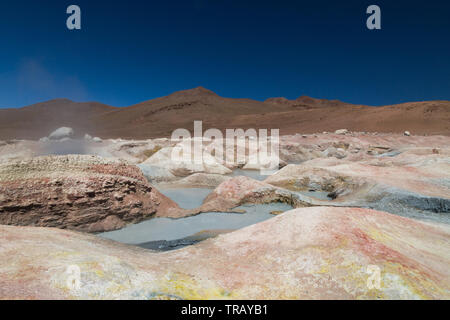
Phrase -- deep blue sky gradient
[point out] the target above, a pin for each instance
(131, 51)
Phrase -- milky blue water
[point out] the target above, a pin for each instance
(254, 174)
(187, 198)
(173, 229)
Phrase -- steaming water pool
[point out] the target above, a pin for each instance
(71, 146)
(172, 229)
(60, 148)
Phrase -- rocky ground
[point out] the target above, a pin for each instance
(321, 249)
(309, 253)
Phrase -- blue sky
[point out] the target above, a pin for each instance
(131, 51)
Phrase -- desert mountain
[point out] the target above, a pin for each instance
(159, 117)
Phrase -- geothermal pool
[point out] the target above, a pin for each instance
(158, 229)
(169, 234)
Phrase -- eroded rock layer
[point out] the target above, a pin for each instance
(85, 193)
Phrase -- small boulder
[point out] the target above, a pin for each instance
(341, 131)
(407, 133)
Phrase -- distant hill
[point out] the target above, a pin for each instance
(159, 117)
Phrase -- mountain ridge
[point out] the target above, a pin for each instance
(160, 116)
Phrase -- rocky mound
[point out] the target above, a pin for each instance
(85, 193)
(308, 253)
(409, 184)
(240, 190)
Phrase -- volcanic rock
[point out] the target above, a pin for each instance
(244, 190)
(408, 184)
(309, 253)
(86, 193)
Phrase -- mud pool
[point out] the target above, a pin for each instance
(167, 229)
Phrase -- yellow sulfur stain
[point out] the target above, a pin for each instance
(64, 254)
(185, 287)
(325, 268)
(414, 282)
(116, 289)
(379, 236)
(99, 273)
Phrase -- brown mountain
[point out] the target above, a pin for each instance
(159, 117)
(38, 120)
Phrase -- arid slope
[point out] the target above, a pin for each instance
(159, 117)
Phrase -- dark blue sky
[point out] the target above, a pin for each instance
(131, 51)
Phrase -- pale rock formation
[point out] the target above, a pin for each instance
(200, 180)
(309, 253)
(172, 159)
(341, 131)
(244, 190)
(409, 185)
